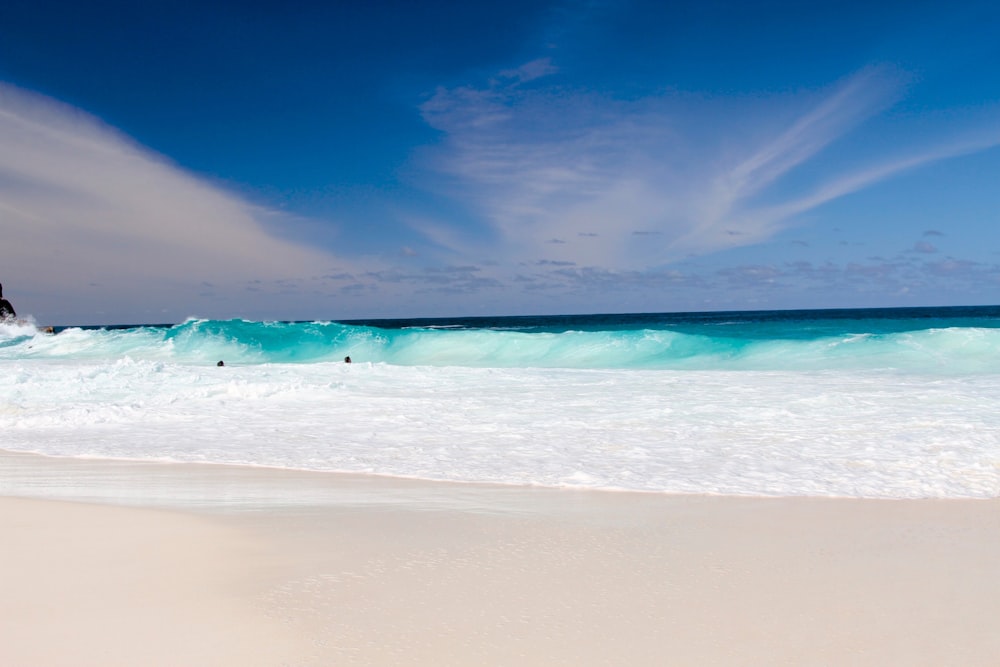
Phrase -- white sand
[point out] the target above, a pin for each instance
(505, 577)
(95, 585)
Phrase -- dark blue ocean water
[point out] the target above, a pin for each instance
(791, 324)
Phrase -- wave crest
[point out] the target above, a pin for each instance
(951, 349)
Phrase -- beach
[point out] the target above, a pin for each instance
(528, 334)
(182, 564)
(775, 488)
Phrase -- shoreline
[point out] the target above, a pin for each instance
(376, 571)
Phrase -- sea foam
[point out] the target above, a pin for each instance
(877, 413)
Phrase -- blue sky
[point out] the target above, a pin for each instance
(328, 160)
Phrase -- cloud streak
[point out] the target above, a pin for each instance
(640, 183)
(80, 203)
(846, 184)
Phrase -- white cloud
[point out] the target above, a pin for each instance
(840, 185)
(530, 71)
(80, 203)
(706, 173)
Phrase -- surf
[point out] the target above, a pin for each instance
(780, 340)
(856, 403)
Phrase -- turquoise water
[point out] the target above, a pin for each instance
(960, 340)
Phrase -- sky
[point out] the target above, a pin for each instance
(331, 160)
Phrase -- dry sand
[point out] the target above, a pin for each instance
(497, 577)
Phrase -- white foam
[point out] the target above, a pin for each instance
(733, 432)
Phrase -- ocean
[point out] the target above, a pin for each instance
(875, 403)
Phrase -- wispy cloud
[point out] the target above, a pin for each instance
(729, 210)
(81, 203)
(638, 183)
(530, 71)
(844, 184)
